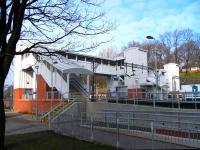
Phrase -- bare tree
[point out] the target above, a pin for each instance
(131, 44)
(198, 50)
(166, 44)
(154, 48)
(179, 46)
(43, 25)
(188, 52)
(109, 52)
(172, 42)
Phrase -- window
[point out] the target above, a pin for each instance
(112, 63)
(105, 62)
(81, 58)
(89, 59)
(71, 56)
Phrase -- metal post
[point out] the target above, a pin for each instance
(156, 73)
(72, 123)
(179, 125)
(51, 87)
(128, 122)
(152, 133)
(106, 122)
(93, 69)
(91, 129)
(32, 105)
(49, 120)
(195, 103)
(36, 92)
(81, 118)
(179, 105)
(117, 130)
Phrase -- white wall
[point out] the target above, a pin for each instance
(23, 79)
(172, 75)
(54, 79)
(17, 69)
(136, 56)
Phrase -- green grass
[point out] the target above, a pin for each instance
(190, 75)
(50, 141)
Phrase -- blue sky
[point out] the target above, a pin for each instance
(138, 18)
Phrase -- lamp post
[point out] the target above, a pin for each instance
(93, 82)
(156, 72)
(36, 91)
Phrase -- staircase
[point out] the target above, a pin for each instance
(76, 95)
(78, 89)
(56, 111)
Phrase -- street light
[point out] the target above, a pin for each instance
(156, 72)
(36, 91)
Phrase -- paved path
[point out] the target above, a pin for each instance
(17, 123)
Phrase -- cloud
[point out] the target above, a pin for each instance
(139, 18)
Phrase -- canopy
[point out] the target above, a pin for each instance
(67, 66)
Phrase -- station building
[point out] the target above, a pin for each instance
(49, 80)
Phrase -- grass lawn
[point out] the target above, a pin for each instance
(191, 75)
(50, 141)
(190, 78)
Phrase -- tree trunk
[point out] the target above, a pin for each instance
(2, 117)
(4, 68)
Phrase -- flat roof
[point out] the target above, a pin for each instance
(96, 57)
(66, 66)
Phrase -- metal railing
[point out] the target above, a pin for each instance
(53, 95)
(129, 131)
(78, 83)
(166, 99)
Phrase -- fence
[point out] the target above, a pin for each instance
(129, 131)
(175, 100)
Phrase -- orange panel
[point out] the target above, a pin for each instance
(42, 87)
(135, 93)
(29, 106)
(18, 93)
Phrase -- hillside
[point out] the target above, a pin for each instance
(190, 78)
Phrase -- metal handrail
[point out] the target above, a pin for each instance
(78, 83)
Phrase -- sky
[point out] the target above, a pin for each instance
(138, 18)
(135, 19)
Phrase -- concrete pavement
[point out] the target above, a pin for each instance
(17, 123)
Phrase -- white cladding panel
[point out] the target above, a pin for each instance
(136, 56)
(172, 75)
(17, 70)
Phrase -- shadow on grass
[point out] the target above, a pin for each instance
(50, 141)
